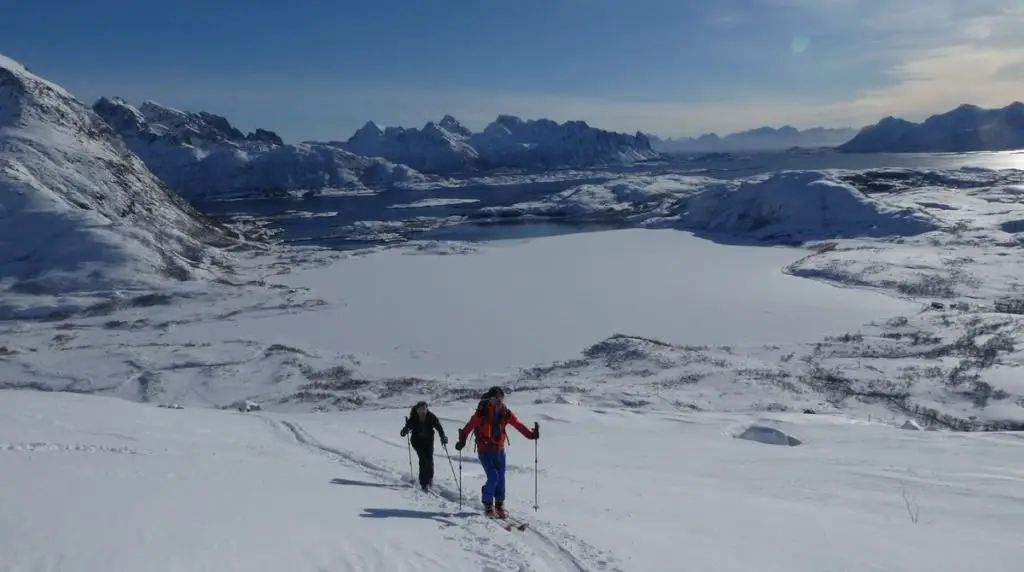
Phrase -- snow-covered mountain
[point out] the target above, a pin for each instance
(508, 142)
(966, 128)
(760, 139)
(201, 155)
(79, 213)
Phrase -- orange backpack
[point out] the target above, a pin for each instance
(485, 430)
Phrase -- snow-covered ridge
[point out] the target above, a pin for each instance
(966, 128)
(508, 142)
(201, 155)
(80, 214)
(761, 138)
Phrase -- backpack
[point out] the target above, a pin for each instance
(483, 430)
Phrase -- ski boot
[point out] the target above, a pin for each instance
(499, 510)
(489, 511)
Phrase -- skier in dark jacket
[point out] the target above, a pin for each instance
(421, 423)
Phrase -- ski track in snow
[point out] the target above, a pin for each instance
(538, 550)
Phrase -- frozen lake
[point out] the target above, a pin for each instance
(518, 303)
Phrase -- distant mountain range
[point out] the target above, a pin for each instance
(201, 154)
(965, 128)
(507, 142)
(760, 139)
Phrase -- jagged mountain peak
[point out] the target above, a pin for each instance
(196, 128)
(510, 121)
(452, 125)
(447, 147)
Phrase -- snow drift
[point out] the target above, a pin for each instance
(508, 142)
(202, 155)
(79, 212)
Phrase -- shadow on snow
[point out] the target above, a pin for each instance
(438, 516)
(351, 482)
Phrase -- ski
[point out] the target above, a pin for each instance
(508, 523)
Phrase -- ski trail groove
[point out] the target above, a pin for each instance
(544, 547)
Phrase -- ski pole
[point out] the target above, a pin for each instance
(460, 480)
(408, 445)
(450, 462)
(536, 506)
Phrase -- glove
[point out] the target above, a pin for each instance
(461, 443)
(536, 431)
(444, 440)
(405, 431)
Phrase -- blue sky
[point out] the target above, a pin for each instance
(318, 69)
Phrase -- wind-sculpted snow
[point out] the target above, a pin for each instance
(80, 215)
(202, 156)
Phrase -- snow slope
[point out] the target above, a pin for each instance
(508, 142)
(966, 128)
(81, 217)
(219, 490)
(202, 155)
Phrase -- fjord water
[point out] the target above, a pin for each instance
(322, 220)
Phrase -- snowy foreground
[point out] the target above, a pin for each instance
(95, 483)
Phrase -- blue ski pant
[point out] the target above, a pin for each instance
(493, 463)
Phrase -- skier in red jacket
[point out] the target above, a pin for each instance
(488, 425)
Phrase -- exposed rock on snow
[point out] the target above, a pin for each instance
(202, 155)
(508, 142)
(966, 128)
(79, 213)
(767, 435)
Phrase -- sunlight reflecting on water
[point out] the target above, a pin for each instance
(989, 159)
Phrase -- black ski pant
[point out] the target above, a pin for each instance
(425, 453)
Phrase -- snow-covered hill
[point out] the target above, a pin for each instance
(80, 215)
(616, 489)
(508, 142)
(966, 128)
(202, 155)
(783, 206)
(760, 139)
